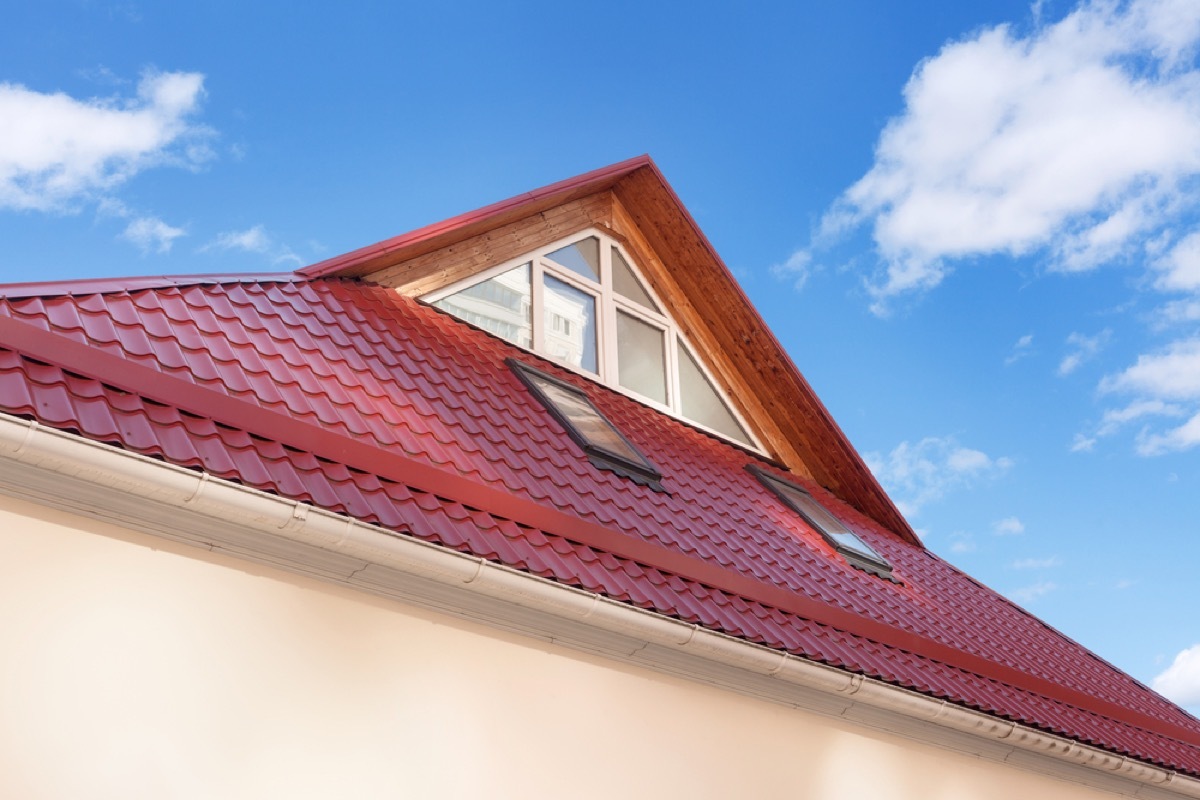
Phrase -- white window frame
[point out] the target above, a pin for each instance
(607, 304)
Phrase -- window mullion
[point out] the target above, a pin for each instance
(539, 334)
(607, 334)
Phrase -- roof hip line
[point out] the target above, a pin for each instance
(82, 359)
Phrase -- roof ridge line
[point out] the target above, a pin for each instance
(137, 283)
(143, 381)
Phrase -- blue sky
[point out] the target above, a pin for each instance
(973, 225)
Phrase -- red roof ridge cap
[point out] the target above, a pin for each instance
(598, 177)
(136, 283)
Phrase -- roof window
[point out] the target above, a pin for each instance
(848, 544)
(605, 446)
(581, 302)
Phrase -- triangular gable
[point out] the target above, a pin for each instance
(632, 204)
(582, 302)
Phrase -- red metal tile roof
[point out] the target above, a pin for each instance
(355, 399)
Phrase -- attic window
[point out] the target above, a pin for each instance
(857, 552)
(605, 446)
(581, 302)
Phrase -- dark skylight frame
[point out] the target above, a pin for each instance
(847, 543)
(601, 441)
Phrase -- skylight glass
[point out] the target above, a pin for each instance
(856, 551)
(606, 447)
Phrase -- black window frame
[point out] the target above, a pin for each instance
(640, 471)
(871, 561)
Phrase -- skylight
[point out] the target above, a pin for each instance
(582, 303)
(606, 447)
(857, 552)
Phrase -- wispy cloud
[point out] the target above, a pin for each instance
(1075, 139)
(1081, 349)
(797, 269)
(922, 472)
(254, 240)
(1181, 681)
(151, 234)
(1009, 526)
(1037, 563)
(1022, 348)
(56, 150)
(1026, 595)
(1165, 383)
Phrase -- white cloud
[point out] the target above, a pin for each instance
(1009, 526)
(921, 473)
(1075, 139)
(151, 234)
(1180, 682)
(1164, 384)
(796, 269)
(1173, 373)
(254, 240)
(1082, 349)
(1083, 444)
(1115, 418)
(1037, 563)
(1179, 269)
(1020, 349)
(1028, 594)
(962, 542)
(56, 150)
(1184, 437)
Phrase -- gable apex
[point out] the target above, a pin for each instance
(632, 202)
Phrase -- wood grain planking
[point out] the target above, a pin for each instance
(814, 443)
(442, 267)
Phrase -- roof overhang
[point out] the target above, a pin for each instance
(67, 472)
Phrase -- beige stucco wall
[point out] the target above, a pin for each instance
(131, 667)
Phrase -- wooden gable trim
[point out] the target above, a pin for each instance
(431, 271)
(811, 439)
(633, 202)
(377, 257)
(699, 331)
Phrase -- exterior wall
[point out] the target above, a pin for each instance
(131, 667)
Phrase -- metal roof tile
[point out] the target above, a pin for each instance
(356, 359)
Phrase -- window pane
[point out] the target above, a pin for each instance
(501, 305)
(595, 429)
(569, 320)
(700, 402)
(626, 283)
(641, 362)
(582, 257)
(833, 529)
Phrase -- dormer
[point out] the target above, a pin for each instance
(600, 271)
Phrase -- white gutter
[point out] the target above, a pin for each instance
(71, 473)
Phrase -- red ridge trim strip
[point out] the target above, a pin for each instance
(337, 264)
(43, 345)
